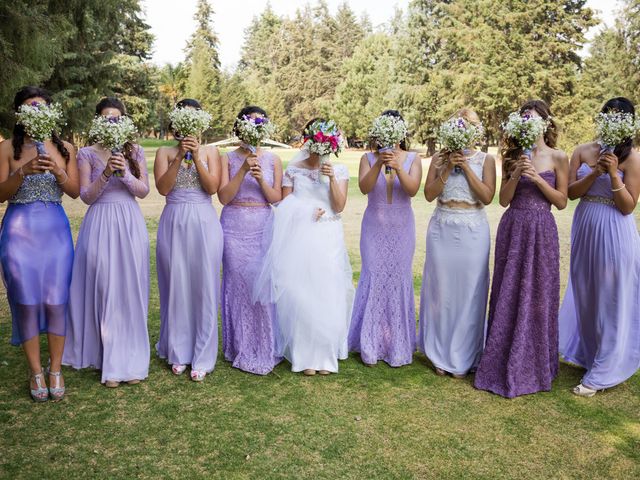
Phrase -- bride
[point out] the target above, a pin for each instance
(306, 272)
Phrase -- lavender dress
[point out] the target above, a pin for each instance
(188, 257)
(248, 328)
(383, 324)
(521, 350)
(36, 255)
(600, 315)
(110, 284)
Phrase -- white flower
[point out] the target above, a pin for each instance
(388, 131)
(524, 129)
(39, 120)
(254, 131)
(189, 122)
(457, 134)
(614, 128)
(112, 132)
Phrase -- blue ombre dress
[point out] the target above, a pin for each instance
(36, 254)
(600, 315)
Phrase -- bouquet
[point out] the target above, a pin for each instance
(112, 133)
(614, 128)
(39, 121)
(189, 122)
(525, 130)
(456, 134)
(324, 138)
(254, 131)
(388, 131)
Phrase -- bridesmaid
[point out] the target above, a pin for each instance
(249, 184)
(521, 351)
(36, 248)
(600, 315)
(455, 286)
(188, 255)
(110, 285)
(383, 324)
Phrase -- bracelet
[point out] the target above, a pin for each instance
(106, 177)
(66, 175)
(440, 178)
(618, 189)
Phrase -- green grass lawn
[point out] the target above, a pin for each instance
(361, 423)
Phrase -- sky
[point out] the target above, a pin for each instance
(173, 26)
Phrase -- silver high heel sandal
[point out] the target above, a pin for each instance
(40, 394)
(57, 393)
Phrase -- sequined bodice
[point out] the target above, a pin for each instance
(529, 197)
(457, 187)
(250, 190)
(188, 177)
(378, 195)
(601, 187)
(41, 187)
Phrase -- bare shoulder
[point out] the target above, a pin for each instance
(69, 146)
(560, 157)
(632, 163)
(6, 147)
(489, 157)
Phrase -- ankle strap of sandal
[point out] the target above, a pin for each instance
(55, 374)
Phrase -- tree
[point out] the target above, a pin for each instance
(202, 65)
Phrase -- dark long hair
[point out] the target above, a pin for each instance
(308, 124)
(128, 148)
(404, 144)
(511, 151)
(246, 111)
(623, 105)
(17, 139)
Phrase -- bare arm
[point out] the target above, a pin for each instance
(368, 174)
(166, 169)
(558, 195)
(510, 181)
(9, 183)
(437, 176)
(337, 187)
(209, 178)
(484, 189)
(67, 177)
(625, 195)
(229, 186)
(578, 188)
(273, 193)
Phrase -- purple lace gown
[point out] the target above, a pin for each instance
(188, 257)
(521, 350)
(600, 315)
(383, 323)
(248, 338)
(108, 303)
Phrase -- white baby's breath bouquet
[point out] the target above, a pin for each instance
(112, 132)
(387, 131)
(254, 131)
(525, 130)
(457, 134)
(614, 128)
(40, 121)
(189, 122)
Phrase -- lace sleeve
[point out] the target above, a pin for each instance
(89, 191)
(287, 178)
(137, 186)
(341, 172)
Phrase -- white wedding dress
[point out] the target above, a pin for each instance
(307, 275)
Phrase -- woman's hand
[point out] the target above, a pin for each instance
(190, 144)
(35, 165)
(520, 166)
(256, 172)
(317, 215)
(115, 163)
(608, 162)
(249, 162)
(326, 168)
(528, 171)
(390, 159)
(457, 159)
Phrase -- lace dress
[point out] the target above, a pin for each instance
(36, 254)
(307, 274)
(110, 286)
(188, 258)
(455, 285)
(248, 328)
(521, 350)
(383, 324)
(600, 315)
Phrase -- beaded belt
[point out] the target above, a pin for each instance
(598, 199)
(332, 218)
(249, 204)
